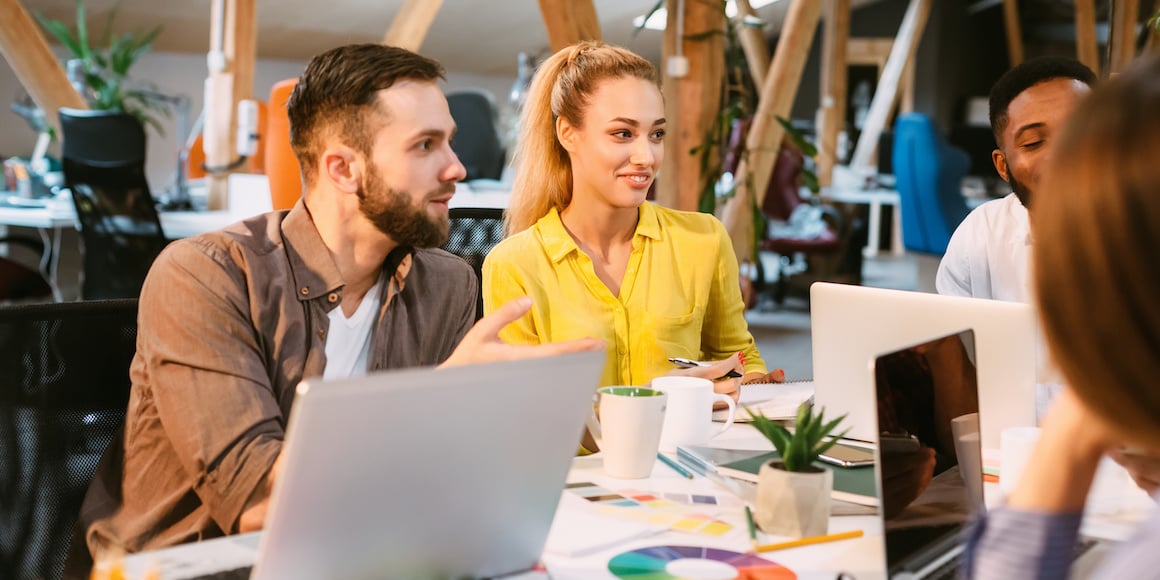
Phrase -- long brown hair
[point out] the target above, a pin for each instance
(1096, 238)
(560, 89)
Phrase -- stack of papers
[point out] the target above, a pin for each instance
(776, 400)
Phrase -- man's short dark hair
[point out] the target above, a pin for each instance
(1028, 74)
(337, 90)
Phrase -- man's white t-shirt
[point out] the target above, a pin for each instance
(989, 254)
(348, 343)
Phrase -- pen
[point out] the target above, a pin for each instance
(687, 363)
(675, 466)
(811, 540)
(752, 528)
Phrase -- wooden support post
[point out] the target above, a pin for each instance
(832, 113)
(1123, 34)
(233, 27)
(1086, 47)
(903, 51)
(28, 54)
(569, 22)
(1014, 32)
(753, 43)
(411, 23)
(765, 134)
(692, 102)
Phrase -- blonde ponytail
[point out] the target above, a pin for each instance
(560, 88)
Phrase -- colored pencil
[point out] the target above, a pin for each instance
(675, 466)
(752, 528)
(810, 541)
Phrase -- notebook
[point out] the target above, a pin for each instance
(373, 487)
(774, 400)
(851, 484)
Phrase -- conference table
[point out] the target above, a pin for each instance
(858, 558)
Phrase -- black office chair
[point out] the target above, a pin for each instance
(477, 141)
(104, 167)
(474, 232)
(64, 387)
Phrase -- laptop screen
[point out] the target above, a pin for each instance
(928, 405)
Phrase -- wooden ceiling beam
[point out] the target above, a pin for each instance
(27, 52)
(1086, 46)
(233, 28)
(1014, 32)
(569, 22)
(1122, 37)
(409, 27)
(693, 101)
(903, 51)
(832, 112)
(753, 43)
(765, 134)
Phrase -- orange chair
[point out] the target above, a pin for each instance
(281, 164)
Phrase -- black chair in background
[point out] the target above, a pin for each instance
(64, 387)
(477, 141)
(104, 167)
(474, 232)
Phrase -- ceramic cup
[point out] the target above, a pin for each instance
(689, 419)
(629, 429)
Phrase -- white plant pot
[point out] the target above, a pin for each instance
(795, 504)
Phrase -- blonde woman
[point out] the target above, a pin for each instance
(1097, 281)
(596, 258)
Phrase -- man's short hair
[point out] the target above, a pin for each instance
(337, 91)
(1028, 74)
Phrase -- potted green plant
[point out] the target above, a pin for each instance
(793, 495)
(107, 85)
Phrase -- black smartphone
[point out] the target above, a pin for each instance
(898, 443)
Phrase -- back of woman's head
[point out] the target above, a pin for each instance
(1096, 238)
(560, 89)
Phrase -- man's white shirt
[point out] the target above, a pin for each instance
(989, 254)
(348, 343)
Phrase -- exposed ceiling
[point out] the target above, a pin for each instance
(478, 36)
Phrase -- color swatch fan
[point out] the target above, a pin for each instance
(694, 563)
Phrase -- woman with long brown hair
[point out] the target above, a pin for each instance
(1097, 284)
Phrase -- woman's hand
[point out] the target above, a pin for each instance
(717, 370)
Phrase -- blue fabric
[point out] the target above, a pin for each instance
(929, 173)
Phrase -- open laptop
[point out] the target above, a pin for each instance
(852, 324)
(919, 389)
(426, 473)
(921, 392)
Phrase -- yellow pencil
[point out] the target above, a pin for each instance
(809, 541)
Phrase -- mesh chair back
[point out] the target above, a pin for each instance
(474, 232)
(104, 167)
(477, 138)
(64, 387)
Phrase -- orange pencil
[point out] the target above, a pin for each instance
(810, 541)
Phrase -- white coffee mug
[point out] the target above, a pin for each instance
(965, 430)
(1015, 447)
(629, 429)
(689, 420)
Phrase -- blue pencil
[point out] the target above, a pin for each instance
(675, 466)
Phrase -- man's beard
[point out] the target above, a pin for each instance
(393, 214)
(1019, 189)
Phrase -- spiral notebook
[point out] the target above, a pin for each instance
(774, 400)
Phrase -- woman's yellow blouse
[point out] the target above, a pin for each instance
(680, 296)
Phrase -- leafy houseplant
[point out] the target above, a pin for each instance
(106, 67)
(793, 496)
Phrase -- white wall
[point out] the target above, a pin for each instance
(184, 74)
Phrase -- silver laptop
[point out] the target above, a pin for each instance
(426, 473)
(852, 324)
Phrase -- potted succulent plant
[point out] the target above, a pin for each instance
(793, 495)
